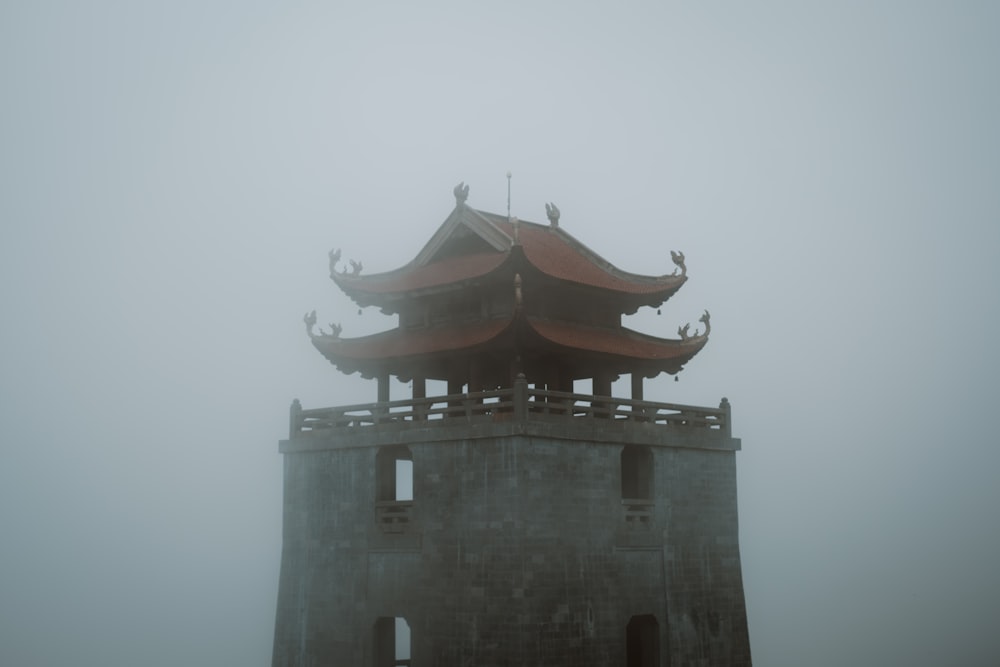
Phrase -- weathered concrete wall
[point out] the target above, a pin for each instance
(518, 552)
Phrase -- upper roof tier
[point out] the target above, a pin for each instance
(473, 246)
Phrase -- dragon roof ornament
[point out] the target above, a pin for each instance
(310, 321)
(334, 256)
(461, 193)
(552, 213)
(678, 259)
(697, 336)
(356, 267)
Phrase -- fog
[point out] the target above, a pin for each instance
(172, 176)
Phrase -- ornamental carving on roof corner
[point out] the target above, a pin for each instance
(334, 256)
(678, 259)
(356, 268)
(310, 322)
(687, 338)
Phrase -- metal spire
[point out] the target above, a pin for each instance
(508, 195)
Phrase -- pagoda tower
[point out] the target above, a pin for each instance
(510, 521)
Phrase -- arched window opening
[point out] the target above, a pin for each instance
(392, 642)
(637, 473)
(394, 488)
(637, 483)
(642, 642)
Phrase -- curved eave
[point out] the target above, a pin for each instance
(381, 288)
(398, 350)
(623, 347)
(624, 302)
(559, 255)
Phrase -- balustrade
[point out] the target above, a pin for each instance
(519, 403)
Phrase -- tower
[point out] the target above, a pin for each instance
(510, 521)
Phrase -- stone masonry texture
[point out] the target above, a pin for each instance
(517, 551)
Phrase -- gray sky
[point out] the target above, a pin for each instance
(172, 176)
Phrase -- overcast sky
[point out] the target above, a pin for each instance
(173, 174)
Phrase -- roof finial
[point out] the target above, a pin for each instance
(552, 211)
(461, 193)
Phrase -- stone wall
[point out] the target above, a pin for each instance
(517, 550)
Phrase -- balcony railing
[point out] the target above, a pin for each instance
(517, 404)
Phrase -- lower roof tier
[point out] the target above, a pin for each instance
(500, 347)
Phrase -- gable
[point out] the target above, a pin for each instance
(462, 241)
(464, 232)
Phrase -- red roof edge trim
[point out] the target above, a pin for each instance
(611, 268)
(403, 343)
(617, 342)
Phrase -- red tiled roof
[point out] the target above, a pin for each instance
(399, 345)
(555, 253)
(447, 271)
(617, 342)
(551, 250)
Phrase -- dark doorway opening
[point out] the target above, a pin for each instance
(637, 473)
(642, 642)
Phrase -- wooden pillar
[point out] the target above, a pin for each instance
(476, 384)
(383, 395)
(454, 387)
(419, 392)
(383, 387)
(520, 397)
(601, 384)
(636, 386)
(601, 387)
(637, 395)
